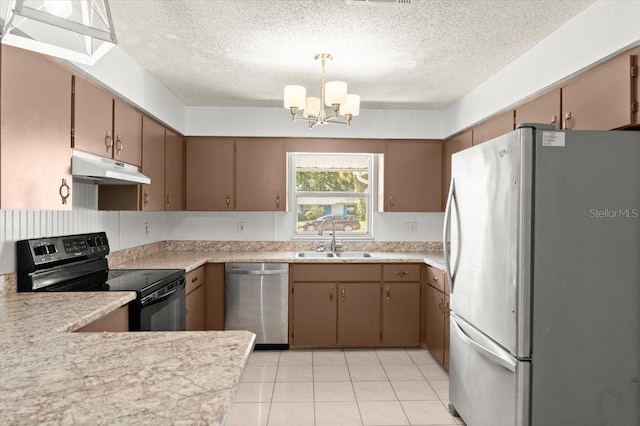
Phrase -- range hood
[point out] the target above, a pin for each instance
(89, 167)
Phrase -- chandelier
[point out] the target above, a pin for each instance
(75, 30)
(332, 94)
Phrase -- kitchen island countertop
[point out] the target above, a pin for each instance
(52, 375)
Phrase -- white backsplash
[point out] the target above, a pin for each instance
(127, 229)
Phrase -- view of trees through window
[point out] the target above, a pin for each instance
(333, 187)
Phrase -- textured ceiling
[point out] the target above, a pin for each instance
(423, 55)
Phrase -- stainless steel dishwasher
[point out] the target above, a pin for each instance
(257, 299)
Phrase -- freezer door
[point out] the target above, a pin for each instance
(586, 289)
(487, 386)
(483, 218)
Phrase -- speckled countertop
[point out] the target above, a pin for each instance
(49, 375)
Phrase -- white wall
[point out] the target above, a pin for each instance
(276, 122)
(124, 229)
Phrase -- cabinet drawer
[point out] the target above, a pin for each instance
(437, 278)
(401, 272)
(195, 279)
(323, 272)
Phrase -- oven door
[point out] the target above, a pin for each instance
(164, 310)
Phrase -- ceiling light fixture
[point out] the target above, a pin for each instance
(76, 30)
(332, 94)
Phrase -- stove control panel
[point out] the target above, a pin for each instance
(54, 249)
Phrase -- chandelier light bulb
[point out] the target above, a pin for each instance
(352, 106)
(294, 96)
(312, 107)
(335, 92)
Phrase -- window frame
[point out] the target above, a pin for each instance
(371, 197)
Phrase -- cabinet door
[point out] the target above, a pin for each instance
(601, 100)
(314, 314)
(35, 131)
(413, 176)
(359, 314)
(401, 314)
(92, 119)
(214, 296)
(195, 309)
(260, 172)
(493, 127)
(174, 171)
(209, 174)
(434, 323)
(153, 164)
(456, 144)
(543, 109)
(127, 133)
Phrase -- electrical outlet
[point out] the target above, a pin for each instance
(410, 227)
(146, 229)
(241, 227)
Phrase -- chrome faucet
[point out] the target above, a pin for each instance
(333, 232)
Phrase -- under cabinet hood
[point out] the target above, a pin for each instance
(101, 170)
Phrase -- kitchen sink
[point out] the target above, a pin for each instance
(354, 254)
(332, 255)
(315, 255)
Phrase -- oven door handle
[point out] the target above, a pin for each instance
(149, 302)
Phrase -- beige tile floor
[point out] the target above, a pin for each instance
(385, 387)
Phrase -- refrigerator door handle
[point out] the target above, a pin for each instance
(503, 360)
(446, 233)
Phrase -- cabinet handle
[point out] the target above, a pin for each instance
(403, 273)
(278, 201)
(68, 191)
(435, 279)
(342, 292)
(194, 279)
(554, 120)
(228, 202)
(441, 305)
(388, 293)
(108, 141)
(168, 199)
(392, 202)
(118, 144)
(146, 198)
(331, 293)
(567, 120)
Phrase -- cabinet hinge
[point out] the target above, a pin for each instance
(634, 106)
(634, 70)
(291, 290)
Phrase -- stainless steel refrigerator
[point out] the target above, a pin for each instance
(544, 266)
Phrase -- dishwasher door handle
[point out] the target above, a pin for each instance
(255, 272)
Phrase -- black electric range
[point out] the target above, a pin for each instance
(76, 263)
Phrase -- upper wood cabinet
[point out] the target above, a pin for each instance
(35, 132)
(455, 144)
(104, 126)
(412, 176)
(209, 174)
(127, 133)
(260, 175)
(543, 109)
(604, 98)
(153, 162)
(224, 174)
(174, 171)
(92, 118)
(494, 127)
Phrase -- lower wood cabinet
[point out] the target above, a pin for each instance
(195, 299)
(316, 315)
(214, 296)
(354, 305)
(117, 320)
(437, 316)
(359, 314)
